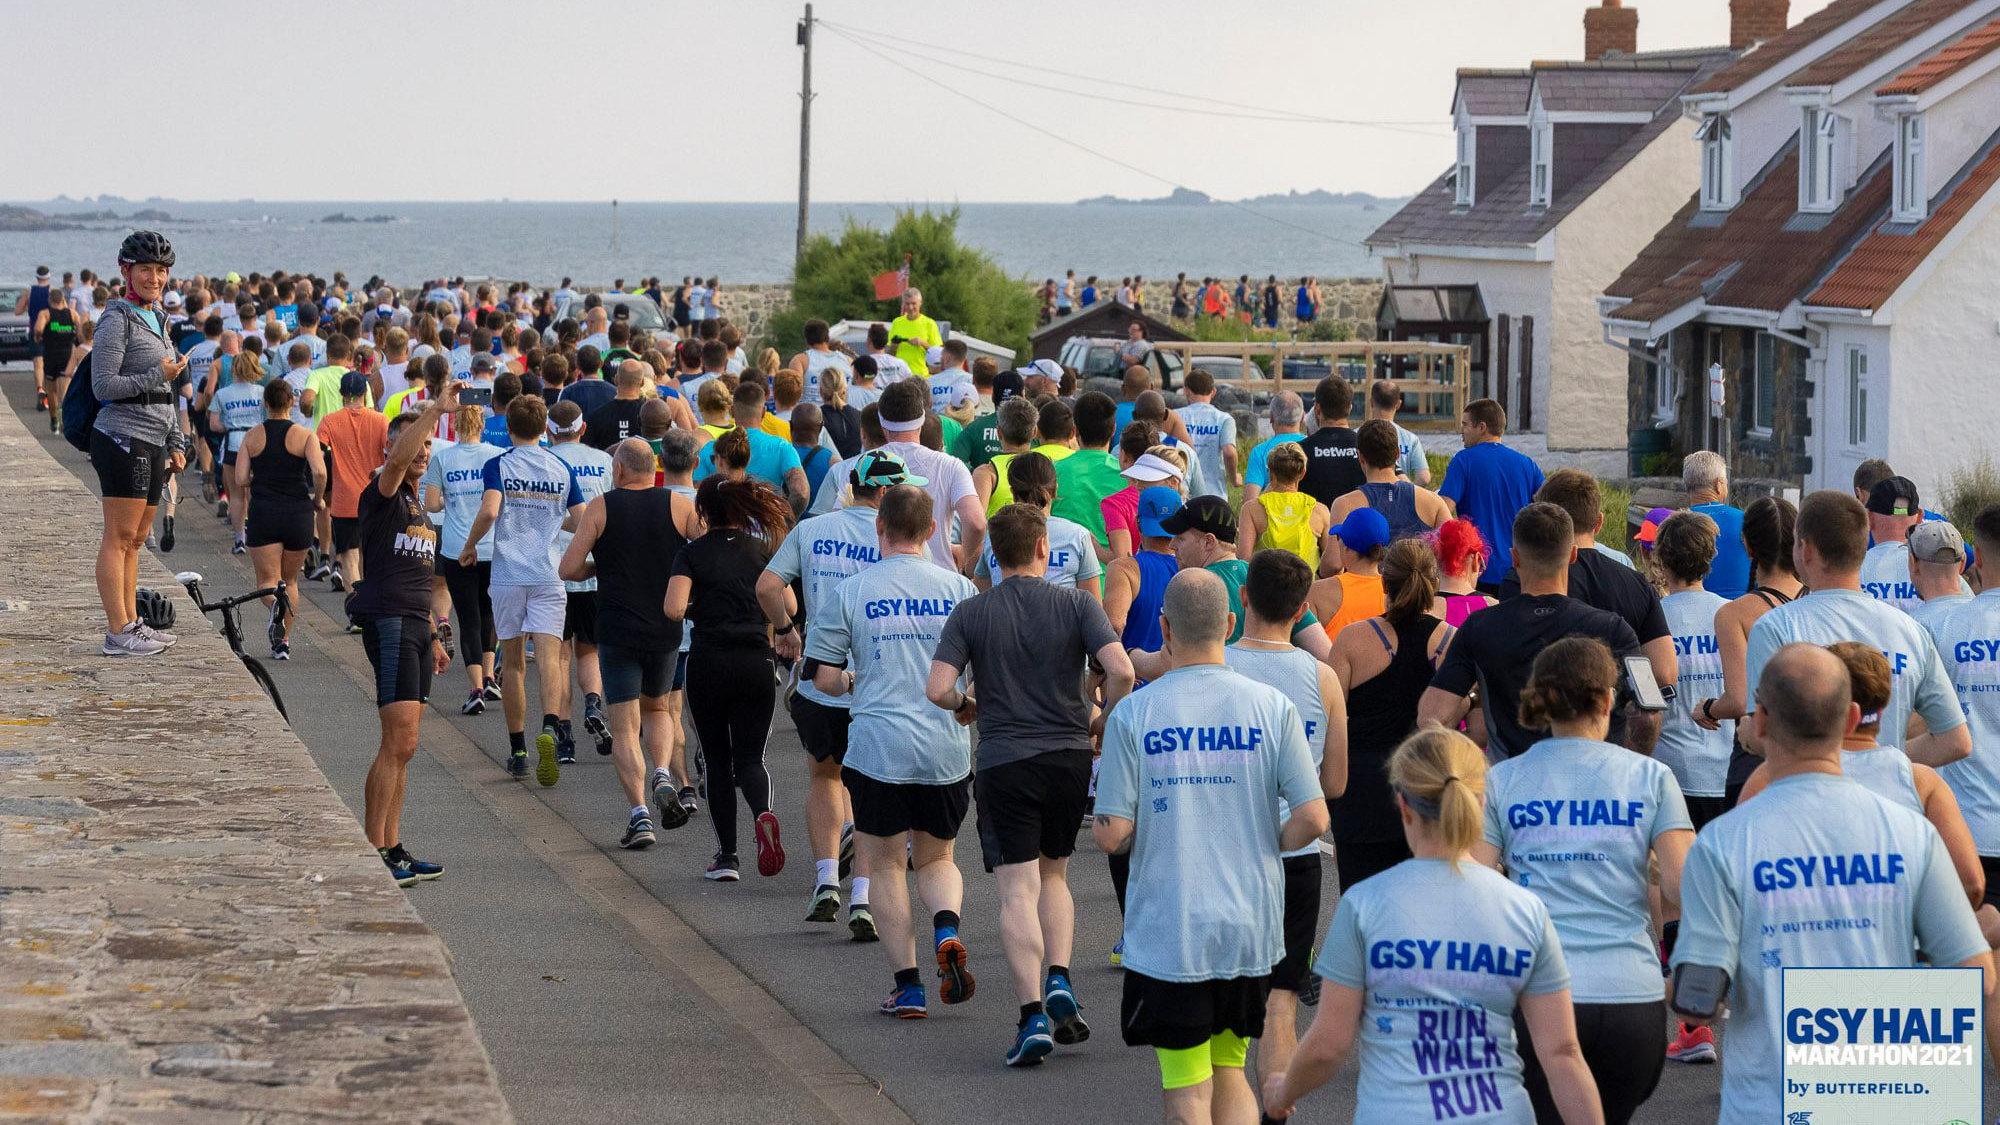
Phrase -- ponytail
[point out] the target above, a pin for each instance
(1441, 776)
(1032, 477)
(1410, 579)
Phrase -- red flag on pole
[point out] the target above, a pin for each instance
(891, 284)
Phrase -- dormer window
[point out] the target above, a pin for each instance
(1541, 145)
(1463, 176)
(1912, 198)
(1718, 170)
(1819, 184)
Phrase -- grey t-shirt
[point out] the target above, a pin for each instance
(1026, 642)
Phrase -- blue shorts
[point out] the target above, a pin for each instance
(629, 673)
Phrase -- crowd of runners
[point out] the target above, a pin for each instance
(1524, 750)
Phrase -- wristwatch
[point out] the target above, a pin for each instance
(1708, 710)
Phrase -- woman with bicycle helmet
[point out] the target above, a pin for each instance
(136, 441)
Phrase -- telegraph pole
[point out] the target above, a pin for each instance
(805, 40)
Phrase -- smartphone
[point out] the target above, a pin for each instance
(1699, 990)
(1646, 693)
(475, 396)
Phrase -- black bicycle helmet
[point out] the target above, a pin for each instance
(143, 247)
(155, 610)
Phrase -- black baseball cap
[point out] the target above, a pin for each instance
(1203, 513)
(1894, 496)
(1008, 384)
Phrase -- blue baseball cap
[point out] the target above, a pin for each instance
(1155, 504)
(1363, 530)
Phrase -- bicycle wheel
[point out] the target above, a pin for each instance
(270, 687)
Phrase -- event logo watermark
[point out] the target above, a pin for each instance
(1875, 1045)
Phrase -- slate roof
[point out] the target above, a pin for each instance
(1779, 48)
(1493, 93)
(1871, 43)
(1609, 89)
(1931, 70)
(1890, 253)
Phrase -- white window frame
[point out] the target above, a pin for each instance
(1819, 148)
(1718, 163)
(1857, 396)
(1467, 165)
(1541, 162)
(1666, 381)
(1912, 194)
(1763, 369)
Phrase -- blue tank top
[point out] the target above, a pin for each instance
(1304, 301)
(1397, 501)
(1142, 623)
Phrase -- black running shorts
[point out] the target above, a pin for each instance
(1177, 1015)
(580, 617)
(885, 809)
(822, 729)
(400, 650)
(127, 468)
(1032, 809)
(286, 525)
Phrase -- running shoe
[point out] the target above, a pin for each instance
(688, 803)
(238, 547)
(281, 651)
(1032, 1043)
(222, 508)
(167, 533)
(492, 690)
(547, 770)
(335, 581)
(906, 1003)
(638, 833)
(770, 852)
(319, 572)
(955, 983)
(207, 486)
(1118, 954)
(722, 869)
(595, 725)
(825, 904)
(473, 705)
(565, 746)
(129, 641)
(846, 851)
(1059, 1001)
(354, 628)
(517, 763)
(861, 923)
(400, 872)
(41, 401)
(275, 631)
(672, 814)
(421, 868)
(1695, 1045)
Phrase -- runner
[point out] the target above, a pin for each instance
(1197, 1003)
(1489, 484)
(1768, 538)
(282, 471)
(625, 542)
(906, 764)
(1385, 399)
(455, 485)
(1014, 425)
(1072, 560)
(55, 332)
(1960, 628)
(1091, 473)
(529, 495)
(233, 412)
(1353, 592)
(1938, 562)
(1539, 807)
(1287, 420)
(822, 553)
(901, 415)
(1894, 512)
(1134, 584)
(1027, 643)
(1410, 510)
(1750, 928)
(1204, 538)
(1332, 467)
(1274, 596)
(398, 553)
(1283, 516)
(1705, 478)
(671, 778)
(592, 468)
(1377, 972)
(1461, 555)
(1212, 433)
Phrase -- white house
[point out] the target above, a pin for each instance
(1563, 169)
(1839, 266)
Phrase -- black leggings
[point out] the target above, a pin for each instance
(473, 601)
(731, 694)
(1626, 1047)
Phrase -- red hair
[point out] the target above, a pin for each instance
(1460, 548)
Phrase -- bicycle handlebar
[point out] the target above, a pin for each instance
(279, 591)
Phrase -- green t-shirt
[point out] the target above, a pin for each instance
(950, 428)
(1234, 573)
(324, 383)
(1083, 480)
(979, 442)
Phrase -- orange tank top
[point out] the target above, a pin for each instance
(1361, 598)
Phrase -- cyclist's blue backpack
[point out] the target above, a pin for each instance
(80, 404)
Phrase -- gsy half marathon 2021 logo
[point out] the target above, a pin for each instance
(1867, 1046)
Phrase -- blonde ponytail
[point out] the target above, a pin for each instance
(1441, 775)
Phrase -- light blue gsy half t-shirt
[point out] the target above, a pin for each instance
(1885, 576)
(459, 471)
(1441, 958)
(593, 476)
(1575, 822)
(1698, 757)
(1198, 762)
(537, 489)
(1210, 431)
(242, 408)
(1814, 871)
(1294, 672)
(1918, 679)
(1967, 633)
(885, 628)
(826, 551)
(1072, 556)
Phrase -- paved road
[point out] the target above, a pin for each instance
(610, 984)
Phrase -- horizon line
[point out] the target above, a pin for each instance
(65, 199)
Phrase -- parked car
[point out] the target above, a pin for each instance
(13, 325)
(640, 311)
(1096, 357)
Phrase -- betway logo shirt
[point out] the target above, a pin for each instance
(537, 489)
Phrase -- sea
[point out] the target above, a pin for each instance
(741, 243)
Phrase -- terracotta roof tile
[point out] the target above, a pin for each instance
(1928, 72)
(1774, 51)
(1873, 42)
(1868, 277)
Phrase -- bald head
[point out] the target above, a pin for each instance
(1805, 703)
(1196, 608)
(634, 461)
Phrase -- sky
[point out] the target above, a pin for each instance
(671, 100)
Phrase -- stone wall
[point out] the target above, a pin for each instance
(192, 925)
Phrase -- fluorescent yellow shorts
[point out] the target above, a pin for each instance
(1192, 1066)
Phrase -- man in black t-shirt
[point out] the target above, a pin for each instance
(1333, 464)
(1495, 648)
(619, 419)
(1597, 577)
(393, 606)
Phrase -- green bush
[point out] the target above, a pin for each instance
(1968, 489)
(1328, 332)
(835, 281)
(1617, 504)
(1438, 461)
(1660, 465)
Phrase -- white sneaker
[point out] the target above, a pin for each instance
(131, 642)
(165, 639)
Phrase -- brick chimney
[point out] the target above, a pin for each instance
(1610, 28)
(1753, 21)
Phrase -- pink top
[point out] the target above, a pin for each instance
(1121, 509)
(1458, 607)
